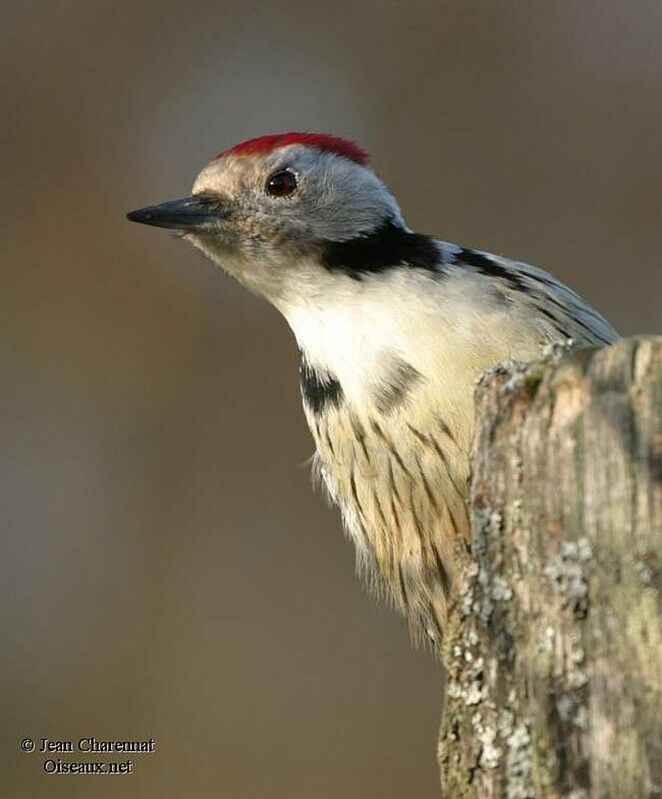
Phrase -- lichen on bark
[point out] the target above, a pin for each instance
(554, 646)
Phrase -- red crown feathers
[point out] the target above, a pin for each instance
(322, 141)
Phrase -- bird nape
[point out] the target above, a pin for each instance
(393, 326)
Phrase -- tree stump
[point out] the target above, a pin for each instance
(554, 650)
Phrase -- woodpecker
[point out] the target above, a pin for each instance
(394, 328)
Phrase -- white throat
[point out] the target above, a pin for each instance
(449, 332)
(355, 329)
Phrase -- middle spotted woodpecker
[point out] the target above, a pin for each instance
(394, 327)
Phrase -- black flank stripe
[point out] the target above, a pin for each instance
(426, 487)
(355, 493)
(394, 488)
(417, 523)
(387, 247)
(359, 432)
(396, 519)
(329, 444)
(442, 457)
(445, 429)
(453, 522)
(380, 510)
(418, 434)
(403, 588)
(441, 571)
(391, 447)
(320, 390)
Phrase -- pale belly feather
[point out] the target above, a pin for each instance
(401, 483)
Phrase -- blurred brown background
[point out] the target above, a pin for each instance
(167, 571)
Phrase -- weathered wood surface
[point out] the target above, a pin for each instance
(554, 653)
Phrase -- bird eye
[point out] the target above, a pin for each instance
(281, 184)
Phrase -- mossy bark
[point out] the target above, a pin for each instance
(554, 650)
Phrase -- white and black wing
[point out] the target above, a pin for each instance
(524, 285)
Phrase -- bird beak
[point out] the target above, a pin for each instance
(188, 213)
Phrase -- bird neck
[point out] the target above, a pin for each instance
(354, 330)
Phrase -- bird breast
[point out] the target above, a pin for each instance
(398, 471)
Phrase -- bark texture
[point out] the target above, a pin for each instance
(554, 652)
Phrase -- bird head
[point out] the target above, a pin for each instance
(274, 211)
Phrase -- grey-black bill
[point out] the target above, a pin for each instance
(184, 214)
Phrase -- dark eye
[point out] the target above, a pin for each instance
(281, 184)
